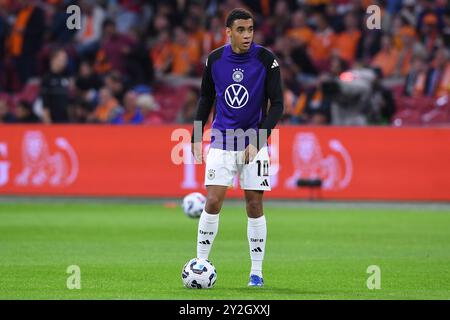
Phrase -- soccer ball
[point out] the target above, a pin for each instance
(199, 274)
(193, 204)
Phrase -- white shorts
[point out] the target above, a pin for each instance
(223, 165)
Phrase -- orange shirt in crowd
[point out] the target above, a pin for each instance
(386, 60)
(213, 40)
(300, 106)
(16, 37)
(419, 85)
(443, 87)
(404, 62)
(303, 34)
(322, 44)
(347, 44)
(101, 65)
(367, 3)
(265, 7)
(103, 112)
(184, 57)
(197, 37)
(160, 53)
(405, 31)
(89, 28)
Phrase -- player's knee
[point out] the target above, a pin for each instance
(254, 208)
(213, 204)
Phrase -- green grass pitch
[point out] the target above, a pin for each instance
(137, 251)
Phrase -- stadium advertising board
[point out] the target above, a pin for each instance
(352, 163)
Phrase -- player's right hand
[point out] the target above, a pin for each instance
(196, 148)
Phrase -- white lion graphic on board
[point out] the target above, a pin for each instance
(310, 163)
(41, 167)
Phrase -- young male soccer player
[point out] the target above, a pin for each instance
(241, 77)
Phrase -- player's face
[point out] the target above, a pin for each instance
(241, 35)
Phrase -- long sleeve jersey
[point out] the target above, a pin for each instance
(242, 85)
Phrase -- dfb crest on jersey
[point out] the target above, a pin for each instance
(238, 75)
(236, 96)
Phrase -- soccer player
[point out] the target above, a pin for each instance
(241, 77)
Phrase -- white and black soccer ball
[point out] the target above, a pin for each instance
(193, 204)
(199, 273)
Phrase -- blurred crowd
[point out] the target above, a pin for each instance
(140, 62)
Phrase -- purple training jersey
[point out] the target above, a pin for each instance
(241, 85)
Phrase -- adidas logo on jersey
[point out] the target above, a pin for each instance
(275, 64)
(265, 183)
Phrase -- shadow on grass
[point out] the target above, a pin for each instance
(268, 290)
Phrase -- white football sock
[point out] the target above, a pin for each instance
(257, 234)
(207, 230)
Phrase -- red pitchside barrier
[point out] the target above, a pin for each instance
(367, 163)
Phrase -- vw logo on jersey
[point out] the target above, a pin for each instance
(236, 96)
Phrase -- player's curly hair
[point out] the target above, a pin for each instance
(236, 14)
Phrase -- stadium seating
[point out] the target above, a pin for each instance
(170, 100)
(420, 111)
(407, 117)
(440, 115)
(30, 91)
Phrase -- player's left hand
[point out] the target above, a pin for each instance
(250, 153)
(196, 149)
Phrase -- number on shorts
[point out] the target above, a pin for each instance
(265, 168)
